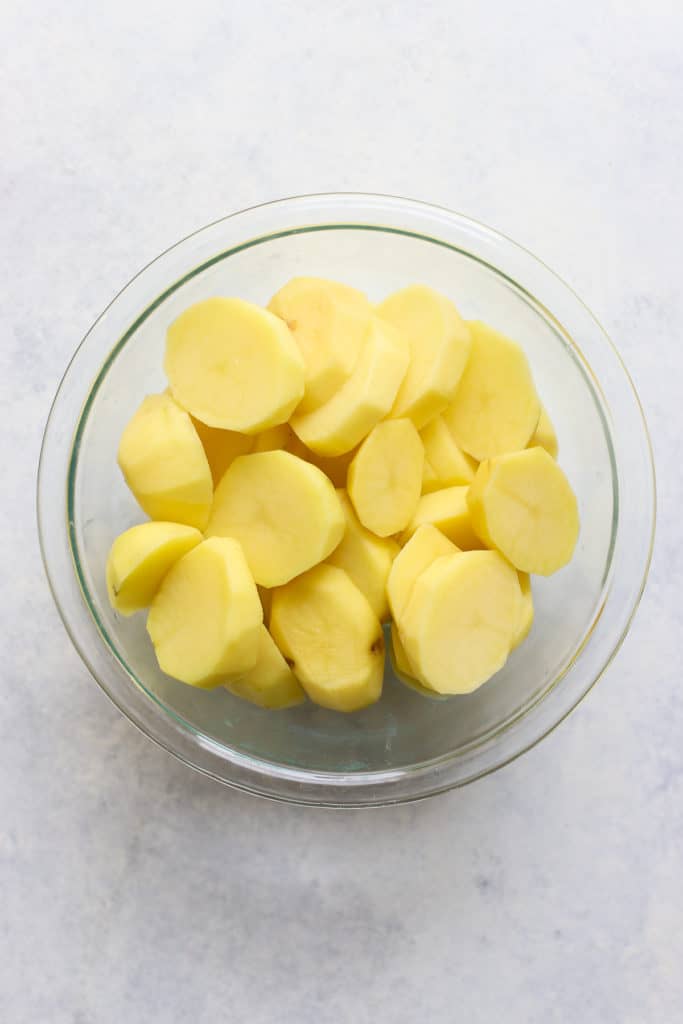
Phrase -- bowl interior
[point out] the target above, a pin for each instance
(403, 730)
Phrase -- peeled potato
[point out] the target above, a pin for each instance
(206, 618)
(495, 408)
(446, 464)
(424, 547)
(163, 462)
(334, 641)
(140, 558)
(365, 398)
(271, 682)
(328, 321)
(449, 512)
(404, 671)
(526, 610)
(438, 339)
(283, 511)
(221, 447)
(460, 620)
(545, 436)
(523, 505)
(234, 365)
(365, 558)
(385, 477)
(333, 466)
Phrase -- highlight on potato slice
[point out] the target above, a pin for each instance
(221, 447)
(449, 512)
(234, 365)
(424, 547)
(329, 322)
(206, 617)
(273, 439)
(495, 408)
(163, 463)
(460, 620)
(445, 463)
(331, 637)
(385, 477)
(405, 672)
(439, 344)
(333, 466)
(139, 559)
(271, 682)
(365, 557)
(545, 436)
(283, 511)
(365, 398)
(522, 504)
(526, 610)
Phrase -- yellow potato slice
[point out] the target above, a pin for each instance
(328, 321)
(221, 447)
(445, 463)
(365, 398)
(523, 505)
(545, 436)
(206, 617)
(439, 344)
(366, 558)
(272, 440)
(140, 558)
(332, 638)
(234, 365)
(424, 547)
(448, 511)
(385, 477)
(283, 511)
(460, 620)
(163, 463)
(333, 466)
(495, 408)
(271, 682)
(526, 612)
(404, 671)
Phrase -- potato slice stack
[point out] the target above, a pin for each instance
(322, 466)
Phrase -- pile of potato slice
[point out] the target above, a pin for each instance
(320, 467)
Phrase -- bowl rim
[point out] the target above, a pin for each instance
(303, 785)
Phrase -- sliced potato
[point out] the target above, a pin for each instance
(221, 447)
(385, 477)
(365, 398)
(460, 620)
(271, 682)
(206, 617)
(163, 462)
(424, 547)
(366, 558)
(333, 466)
(545, 436)
(283, 511)
(332, 638)
(234, 365)
(329, 322)
(522, 504)
(140, 558)
(495, 408)
(439, 343)
(526, 610)
(446, 464)
(448, 511)
(404, 671)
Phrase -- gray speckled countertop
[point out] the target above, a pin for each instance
(131, 888)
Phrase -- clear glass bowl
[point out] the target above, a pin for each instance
(405, 747)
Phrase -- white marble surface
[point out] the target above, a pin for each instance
(134, 890)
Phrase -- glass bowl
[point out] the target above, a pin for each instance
(405, 747)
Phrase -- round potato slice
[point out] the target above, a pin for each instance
(460, 620)
(139, 559)
(523, 505)
(446, 464)
(163, 463)
(329, 322)
(366, 558)
(334, 641)
(271, 682)
(495, 408)
(283, 511)
(439, 344)
(404, 671)
(234, 365)
(424, 547)
(206, 617)
(385, 477)
(449, 512)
